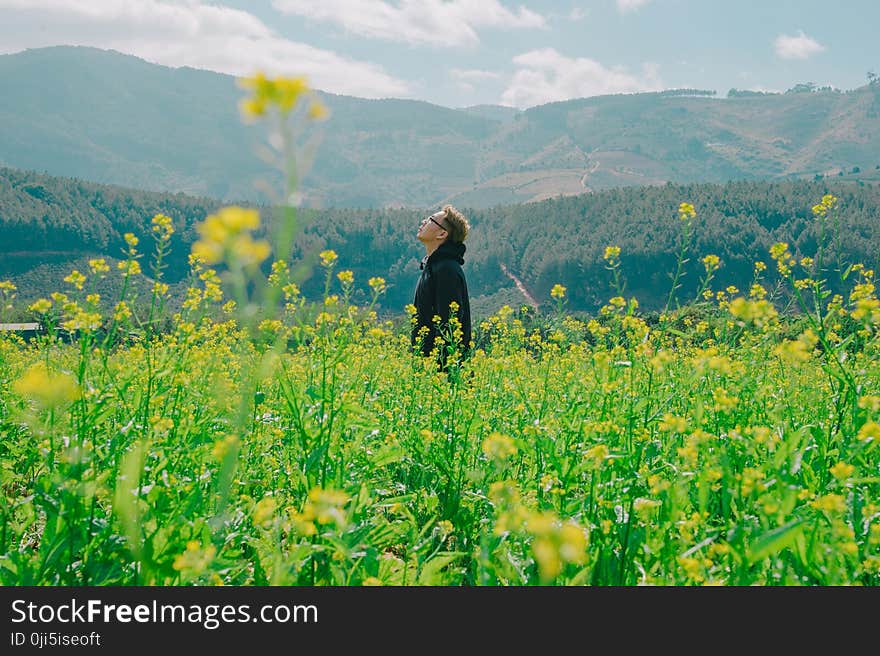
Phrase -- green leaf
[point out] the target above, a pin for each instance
(774, 541)
(387, 455)
(432, 572)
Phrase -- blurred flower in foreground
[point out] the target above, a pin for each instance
(281, 93)
(48, 388)
(226, 235)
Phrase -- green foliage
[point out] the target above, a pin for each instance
(557, 241)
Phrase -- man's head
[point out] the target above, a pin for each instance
(447, 224)
(458, 224)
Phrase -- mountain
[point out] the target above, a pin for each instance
(108, 117)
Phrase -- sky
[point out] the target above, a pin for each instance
(460, 53)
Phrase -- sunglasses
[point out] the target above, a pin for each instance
(439, 225)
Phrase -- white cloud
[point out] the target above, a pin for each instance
(466, 79)
(546, 76)
(443, 23)
(188, 33)
(630, 5)
(797, 47)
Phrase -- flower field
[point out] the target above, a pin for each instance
(256, 438)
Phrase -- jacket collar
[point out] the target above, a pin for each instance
(448, 250)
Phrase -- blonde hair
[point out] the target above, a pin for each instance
(458, 224)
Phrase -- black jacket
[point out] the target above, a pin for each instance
(442, 281)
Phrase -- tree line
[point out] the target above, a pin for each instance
(556, 241)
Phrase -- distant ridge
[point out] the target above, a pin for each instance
(108, 117)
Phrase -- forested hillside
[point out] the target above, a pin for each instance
(49, 225)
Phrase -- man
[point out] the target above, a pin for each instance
(442, 284)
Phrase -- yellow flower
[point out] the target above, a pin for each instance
(98, 265)
(48, 388)
(40, 306)
(752, 311)
(121, 312)
(129, 267)
(194, 560)
(328, 258)
(672, 424)
(870, 402)
(377, 284)
(869, 432)
(498, 447)
(252, 107)
(270, 326)
(841, 471)
(686, 211)
(597, 455)
(644, 507)
(828, 201)
(555, 543)
(711, 262)
(288, 91)
(326, 506)
(264, 510)
(830, 503)
(226, 445)
(345, 277)
(778, 250)
(282, 93)
(558, 291)
(76, 279)
(162, 226)
(317, 111)
(611, 253)
(227, 233)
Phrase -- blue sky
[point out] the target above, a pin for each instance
(458, 53)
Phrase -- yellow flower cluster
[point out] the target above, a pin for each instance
(226, 236)
(328, 258)
(686, 211)
(821, 210)
(162, 227)
(499, 448)
(98, 266)
(48, 388)
(711, 263)
(784, 259)
(750, 311)
(76, 279)
(195, 559)
(794, 351)
(326, 507)
(612, 253)
(281, 93)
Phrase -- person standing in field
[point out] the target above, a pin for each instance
(442, 320)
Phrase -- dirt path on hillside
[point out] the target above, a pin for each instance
(521, 287)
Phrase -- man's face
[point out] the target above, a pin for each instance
(433, 227)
